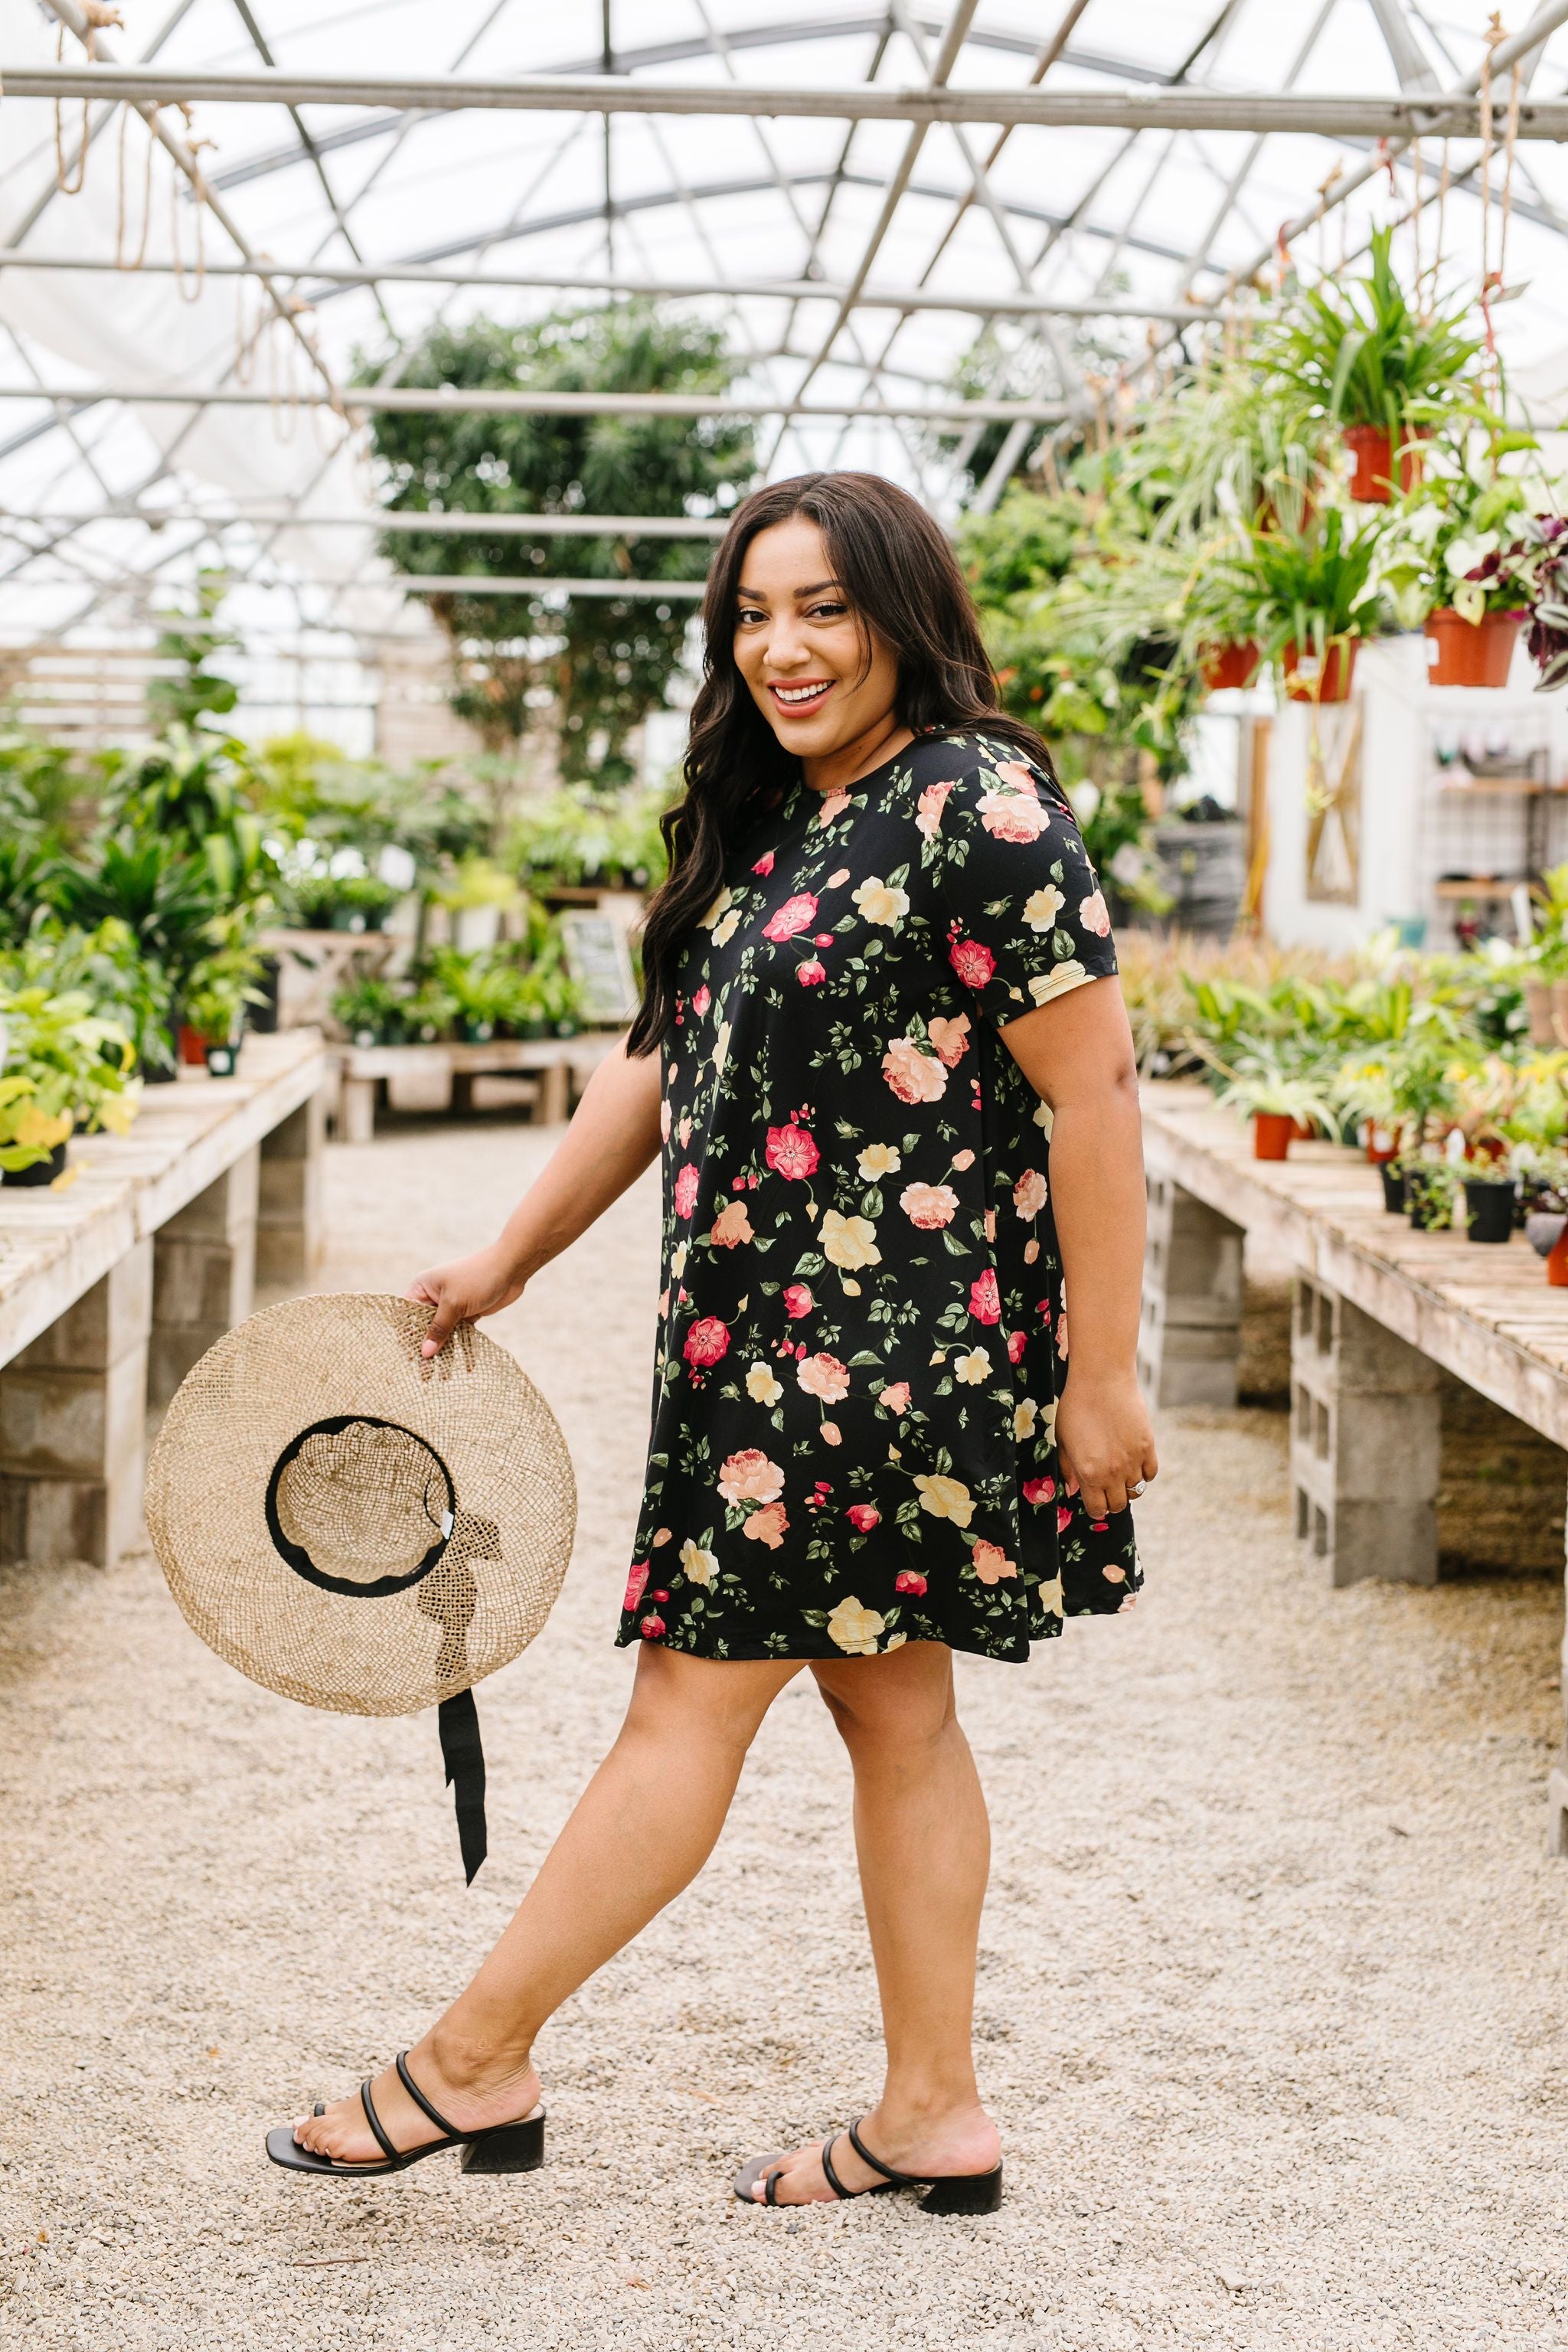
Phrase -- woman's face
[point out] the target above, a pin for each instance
(800, 649)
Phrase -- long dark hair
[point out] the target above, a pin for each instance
(902, 580)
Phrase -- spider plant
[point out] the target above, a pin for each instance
(1359, 354)
(1312, 590)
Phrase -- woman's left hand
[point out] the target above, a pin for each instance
(1104, 1441)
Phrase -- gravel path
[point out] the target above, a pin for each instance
(1274, 1985)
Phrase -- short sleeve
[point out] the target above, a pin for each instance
(1024, 915)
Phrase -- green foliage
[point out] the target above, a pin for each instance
(1360, 354)
(106, 965)
(196, 692)
(602, 662)
(516, 989)
(168, 899)
(1310, 589)
(575, 837)
(64, 1066)
(325, 901)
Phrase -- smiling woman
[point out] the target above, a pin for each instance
(884, 1059)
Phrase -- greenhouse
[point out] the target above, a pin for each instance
(437, 785)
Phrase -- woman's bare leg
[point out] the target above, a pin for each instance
(925, 1848)
(688, 1728)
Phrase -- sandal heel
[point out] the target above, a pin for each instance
(974, 2192)
(516, 2147)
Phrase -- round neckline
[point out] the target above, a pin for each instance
(845, 792)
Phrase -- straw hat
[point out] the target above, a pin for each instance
(354, 1527)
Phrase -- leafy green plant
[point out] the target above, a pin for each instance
(218, 991)
(189, 643)
(168, 899)
(1260, 1091)
(1360, 354)
(107, 967)
(342, 902)
(65, 1067)
(1313, 591)
(371, 1009)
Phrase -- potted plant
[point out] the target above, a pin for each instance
(371, 1011)
(1431, 1190)
(343, 902)
(66, 1068)
(1279, 1106)
(1490, 1198)
(1313, 597)
(1376, 368)
(1461, 560)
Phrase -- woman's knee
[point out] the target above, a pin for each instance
(724, 1700)
(901, 1701)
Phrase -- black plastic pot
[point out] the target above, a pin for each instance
(1491, 1208)
(1392, 1177)
(221, 1060)
(42, 1171)
(1431, 1212)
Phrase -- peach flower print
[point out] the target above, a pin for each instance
(991, 1562)
(749, 1477)
(1029, 1194)
(824, 1376)
(833, 807)
(896, 1397)
(929, 1206)
(1013, 816)
(768, 1525)
(1093, 915)
(928, 814)
(732, 1225)
(951, 1038)
(914, 1076)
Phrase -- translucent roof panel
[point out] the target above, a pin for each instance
(857, 267)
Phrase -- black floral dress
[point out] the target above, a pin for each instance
(863, 1330)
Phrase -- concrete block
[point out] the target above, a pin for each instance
(60, 1519)
(1366, 1443)
(204, 1281)
(1190, 1330)
(62, 1423)
(224, 1210)
(104, 1324)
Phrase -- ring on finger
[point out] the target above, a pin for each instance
(1136, 1488)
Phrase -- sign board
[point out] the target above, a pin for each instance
(600, 963)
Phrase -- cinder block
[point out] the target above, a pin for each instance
(1366, 1443)
(290, 1234)
(62, 1423)
(204, 1281)
(1190, 1330)
(222, 1212)
(105, 1323)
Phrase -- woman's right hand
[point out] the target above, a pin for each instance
(463, 1291)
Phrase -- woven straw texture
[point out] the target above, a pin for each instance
(324, 1408)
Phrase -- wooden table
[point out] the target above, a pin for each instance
(113, 1285)
(558, 1064)
(1378, 1311)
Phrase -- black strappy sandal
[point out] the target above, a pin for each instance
(952, 2192)
(500, 2148)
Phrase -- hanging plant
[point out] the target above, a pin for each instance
(1309, 600)
(1463, 556)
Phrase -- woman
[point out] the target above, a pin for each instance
(883, 1047)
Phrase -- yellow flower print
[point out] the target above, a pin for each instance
(848, 1242)
(855, 1629)
(972, 1369)
(1047, 1426)
(1057, 982)
(678, 1261)
(1042, 907)
(719, 907)
(946, 1498)
(1024, 1413)
(700, 1566)
(762, 1387)
(879, 901)
(878, 1160)
(725, 931)
(1049, 1596)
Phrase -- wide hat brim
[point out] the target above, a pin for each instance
(501, 1499)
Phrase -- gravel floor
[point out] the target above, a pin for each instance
(1274, 1987)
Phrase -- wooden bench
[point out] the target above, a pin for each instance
(113, 1285)
(561, 1066)
(1378, 1311)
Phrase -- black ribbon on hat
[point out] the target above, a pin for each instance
(451, 1601)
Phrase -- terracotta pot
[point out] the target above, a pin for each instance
(1470, 653)
(1226, 668)
(1331, 684)
(1372, 474)
(1557, 1262)
(193, 1047)
(1382, 1145)
(1271, 1134)
(1413, 457)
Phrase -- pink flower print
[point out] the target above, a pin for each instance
(929, 1206)
(972, 961)
(1013, 772)
(833, 807)
(951, 1038)
(796, 914)
(1098, 1526)
(831, 1433)
(764, 864)
(1039, 1490)
(823, 939)
(962, 1160)
(863, 1517)
(749, 1477)
(707, 1341)
(989, 1222)
(984, 1301)
(1029, 1194)
(928, 813)
(1062, 1335)
(1094, 916)
(1013, 816)
(791, 1150)
(684, 1130)
(909, 1580)
(991, 1563)
(797, 1300)
(701, 1000)
(811, 974)
(768, 1525)
(636, 1584)
(730, 1226)
(661, 1595)
(837, 879)
(1064, 1517)
(1016, 1343)
(824, 1376)
(652, 1628)
(895, 1397)
(686, 1184)
(914, 1076)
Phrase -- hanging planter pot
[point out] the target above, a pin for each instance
(1228, 667)
(1309, 679)
(1371, 463)
(1271, 1134)
(1470, 653)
